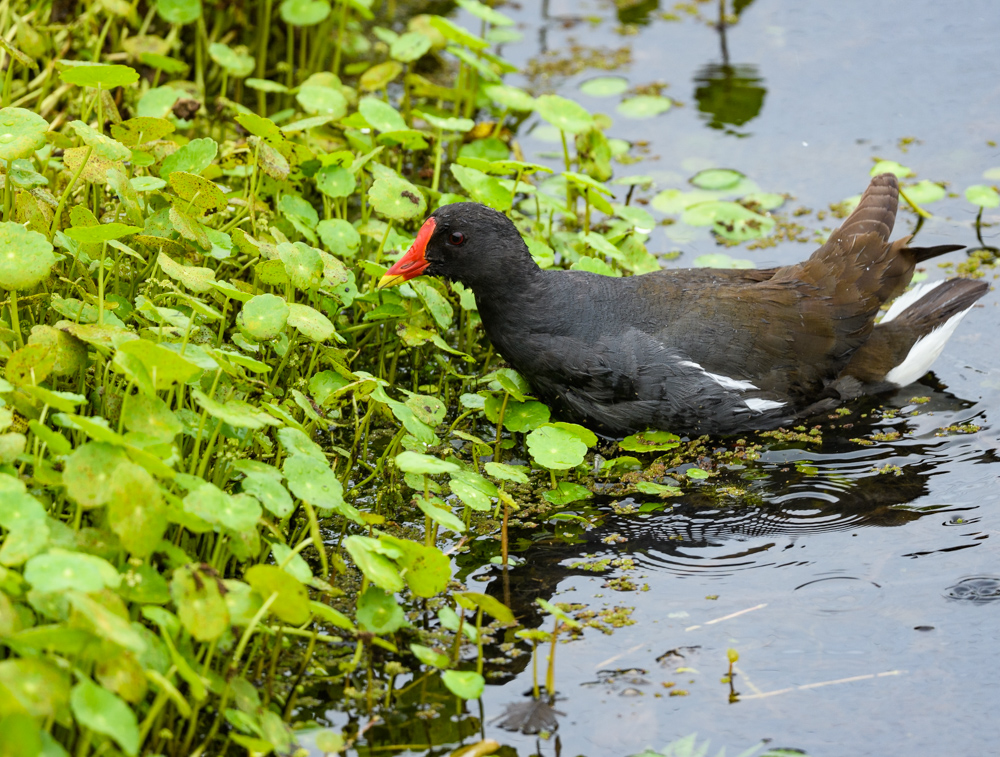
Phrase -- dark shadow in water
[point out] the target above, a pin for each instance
(729, 94)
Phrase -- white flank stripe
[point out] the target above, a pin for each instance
(924, 352)
(729, 383)
(759, 405)
(906, 299)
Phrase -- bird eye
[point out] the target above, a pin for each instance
(456, 238)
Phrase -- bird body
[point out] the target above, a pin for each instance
(701, 350)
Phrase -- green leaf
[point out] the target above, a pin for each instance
(21, 133)
(506, 472)
(428, 656)
(105, 232)
(135, 509)
(264, 316)
(396, 198)
(200, 604)
(410, 47)
(717, 178)
(644, 106)
(604, 86)
(697, 473)
(489, 605)
(464, 684)
(426, 569)
(368, 555)
(729, 220)
(510, 97)
(379, 612)
(104, 146)
(415, 462)
(556, 448)
(58, 571)
(661, 490)
(237, 413)
(89, 472)
(564, 114)
(237, 512)
(567, 492)
(151, 365)
(304, 12)
(292, 602)
(311, 323)
(474, 490)
(722, 260)
(436, 511)
(99, 710)
(194, 157)
(650, 441)
(891, 166)
(925, 192)
(321, 100)
(314, 482)
(26, 257)
(456, 33)
(99, 75)
(179, 11)
(982, 195)
(482, 187)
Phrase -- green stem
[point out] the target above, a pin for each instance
(67, 191)
(15, 324)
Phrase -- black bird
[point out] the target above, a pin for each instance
(702, 350)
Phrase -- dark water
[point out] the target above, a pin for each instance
(865, 607)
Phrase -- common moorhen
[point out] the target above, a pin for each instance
(701, 350)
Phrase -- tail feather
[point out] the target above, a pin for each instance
(912, 334)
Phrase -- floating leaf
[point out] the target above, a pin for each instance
(891, 166)
(722, 260)
(567, 492)
(983, 195)
(925, 192)
(650, 441)
(717, 178)
(644, 106)
(604, 86)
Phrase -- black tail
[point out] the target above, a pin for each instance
(926, 253)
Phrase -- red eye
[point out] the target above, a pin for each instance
(456, 238)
